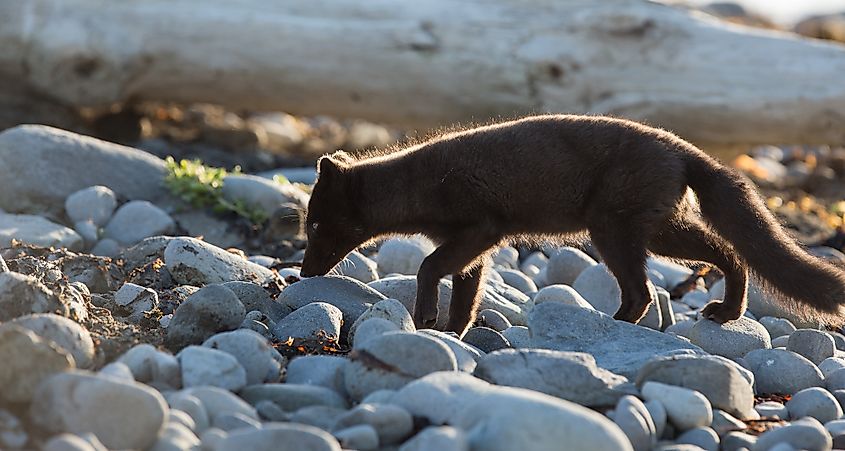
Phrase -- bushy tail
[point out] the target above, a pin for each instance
(736, 211)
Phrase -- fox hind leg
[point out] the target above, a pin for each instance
(688, 238)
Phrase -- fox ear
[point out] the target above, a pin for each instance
(328, 168)
(342, 157)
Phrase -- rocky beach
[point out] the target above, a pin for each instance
(155, 304)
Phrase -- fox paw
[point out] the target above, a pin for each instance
(719, 312)
(425, 318)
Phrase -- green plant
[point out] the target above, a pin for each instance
(201, 186)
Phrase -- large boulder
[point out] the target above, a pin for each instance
(620, 347)
(41, 166)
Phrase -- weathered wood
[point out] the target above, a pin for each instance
(422, 64)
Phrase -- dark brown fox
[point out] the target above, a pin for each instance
(548, 177)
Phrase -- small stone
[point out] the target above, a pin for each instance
(370, 328)
(106, 247)
(210, 310)
(673, 273)
(536, 260)
(813, 344)
(507, 419)
(561, 293)
(598, 286)
(362, 437)
(68, 334)
(658, 416)
(441, 438)
(270, 436)
(323, 417)
(12, 432)
(309, 321)
(320, 370)
(573, 376)
(806, 433)
(37, 231)
(835, 380)
(486, 339)
(88, 231)
(137, 299)
(75, 402)
(831, 364)
(191, 406)
(194, 262)
(358, 267)
(724, 422)
(206, 366)
(632, 416)
(216, 401)
(717, 378)
(391, 360)
(261, 193)
(685, 408)
(117, 370)
(506, 257)
(403, 255)
(379, 397)
(440, 396)
(137, 220)
(466, 354)
(231, 421)
(733, 339)
(292, 397)
(252, 351)
(212, 438)
(493, 319)
(183, 418)
(772, 409)
(518, 280)
(270, 411)
(695, 299)
(736, 441)
(780, 342)
(69, 442)
(392, 423)
(781, 371)
(175, 437)
(667, 311)
(703, 437)
(27, 361)
(95, 204)
(566, 264)
(681, 328)
(151, 366)
(836, 428)
(3, 266)
(814, 402)
(777, 327)
(388, 309)
(839, 339)
(518, 336)
(254, 297)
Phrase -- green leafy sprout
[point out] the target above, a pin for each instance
(201, 186)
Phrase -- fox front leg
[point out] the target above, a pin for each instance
(452, 257)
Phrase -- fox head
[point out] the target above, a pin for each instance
(333, 223)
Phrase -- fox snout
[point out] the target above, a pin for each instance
(317, 264)
(309, 269)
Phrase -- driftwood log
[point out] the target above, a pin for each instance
(432, 63)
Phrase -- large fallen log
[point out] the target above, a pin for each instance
(422, 64)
